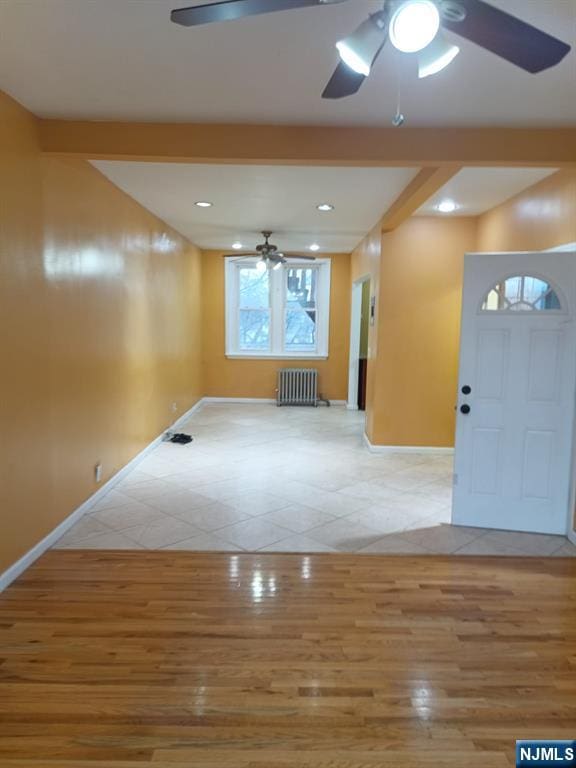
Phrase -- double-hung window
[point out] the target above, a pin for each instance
(281, 312)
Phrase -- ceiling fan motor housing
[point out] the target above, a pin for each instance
(452, 10)
(266, 248)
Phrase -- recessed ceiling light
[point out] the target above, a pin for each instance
(203, 204)
(447, 206)
(325, 207)
(237, 246)
(414, 24)
(314, 247)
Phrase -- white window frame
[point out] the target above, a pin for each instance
(278, 279)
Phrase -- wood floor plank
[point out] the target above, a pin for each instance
(167, 659)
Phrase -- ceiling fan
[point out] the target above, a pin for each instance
(270, 256)
(413, 26)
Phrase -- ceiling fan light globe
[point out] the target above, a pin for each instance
(352, 59)
(261, 265)
(414, 25)
(436, 57)
(359, 49)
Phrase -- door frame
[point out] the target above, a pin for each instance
(571, 525)
(571, 532)
(355, 327)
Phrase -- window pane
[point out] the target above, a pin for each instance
(254, 288)
(534, 289)
(254, 330)
(301, 284)
(300, 331)
(522, 293)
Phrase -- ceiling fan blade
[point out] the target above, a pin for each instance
(298, 256)
(511, 38)
(228, 10)
(345, 82)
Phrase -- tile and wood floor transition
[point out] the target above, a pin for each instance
(166, 659)
(262, 478)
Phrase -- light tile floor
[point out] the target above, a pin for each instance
(261, 478)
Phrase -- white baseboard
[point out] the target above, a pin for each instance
(239, 400)
(12, 573)
(351, 407)
(388, 449)
(572, 537)
(249, 400)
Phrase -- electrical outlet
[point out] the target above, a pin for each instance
(174, 407)
(98, 472)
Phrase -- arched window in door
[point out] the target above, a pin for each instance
(522, 293)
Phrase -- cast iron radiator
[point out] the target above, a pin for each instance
(297, 386)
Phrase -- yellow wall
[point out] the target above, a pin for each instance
(414, 347)
(99, 331)
(541, 217)
(418, 327)
(224, 377)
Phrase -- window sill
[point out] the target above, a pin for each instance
(253, 356)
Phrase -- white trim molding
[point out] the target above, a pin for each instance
(238, 400)
(572, 537)
(388, 449)
(15, 570)
(256, 400)
(283, 356)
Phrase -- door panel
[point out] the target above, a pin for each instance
(545, 366)
(486, 466)
(492, 363)
(518, 357)
(537, 465)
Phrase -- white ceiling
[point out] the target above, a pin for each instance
(476, 190)
(125, 60)
(250, 198)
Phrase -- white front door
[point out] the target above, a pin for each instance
(517, 391)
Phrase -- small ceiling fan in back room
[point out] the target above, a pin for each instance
(413, 27)
(270, 257)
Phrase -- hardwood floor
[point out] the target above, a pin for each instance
(128, 659)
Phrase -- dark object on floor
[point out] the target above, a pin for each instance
(181, 438)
